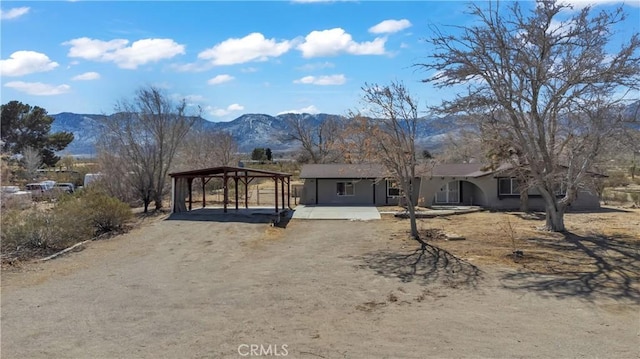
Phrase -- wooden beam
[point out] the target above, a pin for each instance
(282, 187)
(246, 190)
(276, 192)
(235, 179)
(190, 182)
(204, 193)
(289, 192)
(225, 191)
(173, 194)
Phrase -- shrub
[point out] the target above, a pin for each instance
(75, 218)
(105, 213)
(616, 179)
(26, 229)
(635, 197)
(614, 196)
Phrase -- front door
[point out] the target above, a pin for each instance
(449, 193)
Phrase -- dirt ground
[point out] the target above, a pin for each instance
(336, 289)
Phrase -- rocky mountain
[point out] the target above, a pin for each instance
(249, 130)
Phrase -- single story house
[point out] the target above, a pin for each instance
(443, 184)
(349, 184)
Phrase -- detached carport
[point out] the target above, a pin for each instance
(182, 186)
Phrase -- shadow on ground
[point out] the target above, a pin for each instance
(232, 215)
(539, 216)
(593, 267)
(424, 266)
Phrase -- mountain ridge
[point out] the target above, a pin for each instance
(249, 130)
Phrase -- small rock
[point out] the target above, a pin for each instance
(454, 237)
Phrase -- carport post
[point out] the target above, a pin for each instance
(226, 190)
(173, 194)
(246, 190)
(204, 193)
(235, 179)
(282, 187)
(190, 182)
(276, 192)
(289, 192)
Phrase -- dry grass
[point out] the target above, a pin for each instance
(491, 237)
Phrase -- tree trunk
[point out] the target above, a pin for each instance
(412, 220)
(414, 225)
(555, 218)
(524, 200)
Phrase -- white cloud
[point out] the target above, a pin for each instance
(253, 47)
(309, 109)
(193, 98)
(87, 76)
(26, 62)
(316, 66)
(390, 26)
(221, 112)
(127, 57)
(322, 80)
(249, 69)
(579, 4)
(335, 41)
(38, 88)
(14, 13)
(191, 67)
(220, 79)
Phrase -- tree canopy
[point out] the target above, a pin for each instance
(389, 131)
(24, 126)
(542, 87)
(140, 142)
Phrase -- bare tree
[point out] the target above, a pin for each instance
(318, 141)
(544, 83)
(390, 129)
(143, 136)
(463, 146)
(205, 147)
(32, 161)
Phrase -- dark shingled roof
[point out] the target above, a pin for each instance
(342, 170)
(371, 170)
(472, 170)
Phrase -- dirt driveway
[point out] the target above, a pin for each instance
(317, 289)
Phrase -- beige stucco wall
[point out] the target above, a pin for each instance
(483, 191)
(363, 194)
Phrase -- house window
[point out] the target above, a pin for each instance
(345, 188)
(560, 189)
(393, 190)
(508, 187)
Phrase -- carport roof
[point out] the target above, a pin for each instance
(237, 172)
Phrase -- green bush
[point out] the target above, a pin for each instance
(105, 213)
(26, 229)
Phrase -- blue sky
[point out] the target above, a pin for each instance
(229, 58)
